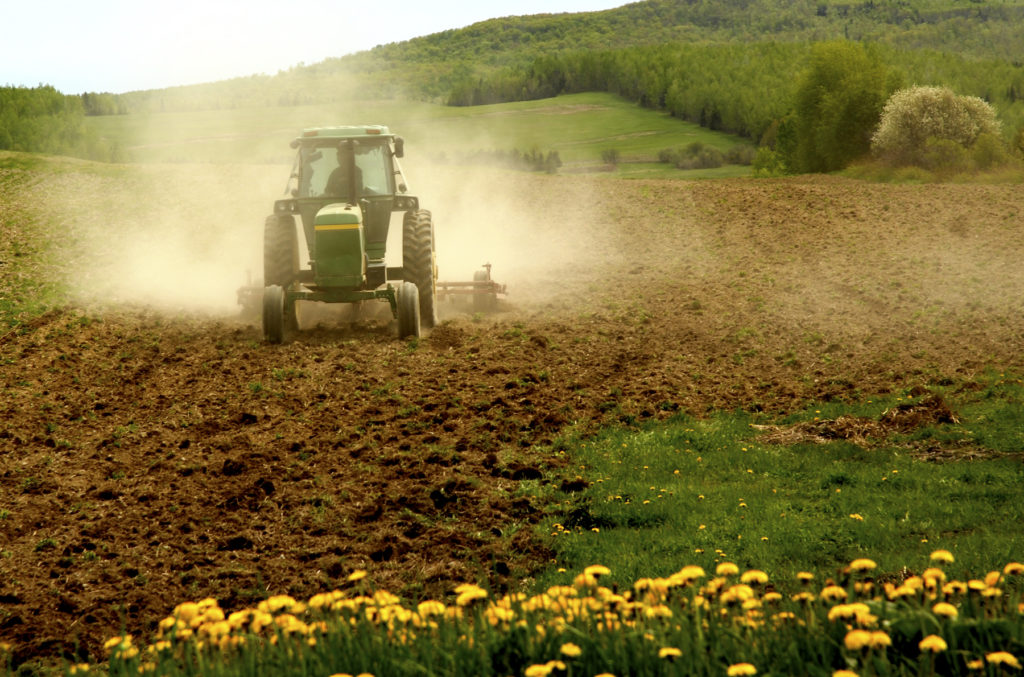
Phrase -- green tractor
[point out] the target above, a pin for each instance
(344, 186)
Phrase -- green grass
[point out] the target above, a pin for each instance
(578, 126)
(707, 491)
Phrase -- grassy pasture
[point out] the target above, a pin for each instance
(712, 490)
(578, 126)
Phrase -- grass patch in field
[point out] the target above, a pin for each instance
(707, 491)
(579, 126)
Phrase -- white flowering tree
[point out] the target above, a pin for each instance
(933, 127)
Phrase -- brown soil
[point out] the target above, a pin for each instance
(150, 457)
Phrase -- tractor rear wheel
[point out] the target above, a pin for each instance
(280, 250)
(408, 310)
(273, 314)
(419, 261)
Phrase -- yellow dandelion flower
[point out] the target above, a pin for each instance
(596, 570)
(833, 593)
(585, 580)
(120, 642)
(1013, 569)
(1002, 658)
(276, 603)
(805, 577)
(754, 577)
(77, 669)
(571, 650)
(669, 652)
(856, 640)
(880, 639)
(844, 673)
(993, 578)
(862, 564)
(857, 516)
(942, 556)
(976, 664)
(726, 569)
(430, 608)
(741, 669)
(691, 572)
(357, 575)
(469, 595)
(932, 643)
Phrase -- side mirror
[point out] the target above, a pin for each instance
(399, 147)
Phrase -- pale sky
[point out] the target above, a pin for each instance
(126, 45)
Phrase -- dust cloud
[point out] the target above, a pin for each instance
(171, 237)
(182, 232)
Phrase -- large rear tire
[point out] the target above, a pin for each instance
(280, 250)
(419, 261)
(273, 314)
(408, 310)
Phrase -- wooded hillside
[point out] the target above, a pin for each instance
(730, 65)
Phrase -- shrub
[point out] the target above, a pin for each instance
(838, 104)
(915, 120)
(610, 156)
(740, 154)
(768, 162)
(696, 155)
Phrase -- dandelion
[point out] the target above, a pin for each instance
(1002, 658)
(726, 569)
(933, 643)
(856, 640)
(1013, 569)
(740, 669)
(467, 593)
(691, 572)
(596, 570)
(669, 652)
(357, 575)
(805, 577)
(571, 650)
(879, 640)
(857, 516)
(78, 668)
(833, 593)
(945, 609)
(862, 564)
(754, 577)
(942, 556)
(844, 673)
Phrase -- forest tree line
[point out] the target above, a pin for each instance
(729, 65)
(43, 120)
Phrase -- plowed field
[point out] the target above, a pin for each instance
(154, 450)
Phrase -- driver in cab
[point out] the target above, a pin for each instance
(339, 183)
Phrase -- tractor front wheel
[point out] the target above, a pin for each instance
(408, 310)
(419, 261)
(273, 314)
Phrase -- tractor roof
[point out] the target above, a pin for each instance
(345, 132)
